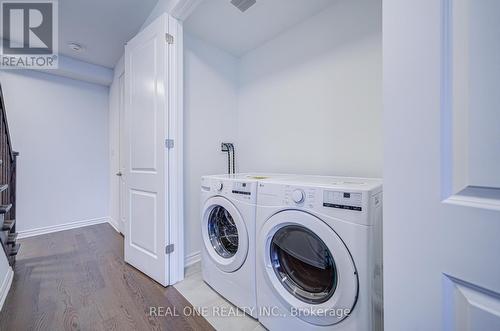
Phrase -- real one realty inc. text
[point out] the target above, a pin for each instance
(230, 311)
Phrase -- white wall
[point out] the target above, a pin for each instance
(210, 103)
(310, 101)
(59, 126)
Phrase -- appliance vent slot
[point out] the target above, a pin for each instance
(243, 5)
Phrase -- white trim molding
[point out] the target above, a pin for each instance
(83, 71)
(181, 9)
(61, 227)
(6, 284)
(175, 223)
(192, 258)
(114, 224)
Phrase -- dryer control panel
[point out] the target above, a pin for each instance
(299, 196)
(347, 202)
(342, 200)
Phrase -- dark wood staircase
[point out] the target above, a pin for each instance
(8, 166)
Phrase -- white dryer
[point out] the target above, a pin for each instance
(228, 232)
(319, 253)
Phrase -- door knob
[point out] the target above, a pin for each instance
(119, 174)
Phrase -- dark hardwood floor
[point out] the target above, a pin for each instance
(77, 280)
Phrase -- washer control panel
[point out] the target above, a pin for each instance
(342, 200)
(241, 188)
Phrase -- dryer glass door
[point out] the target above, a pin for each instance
(308, 267)
(304, 264)
(222, 232)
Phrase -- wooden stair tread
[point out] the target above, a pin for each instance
(12, 260)
(11, 239)
(14, 249)
(5, 208)
(8, 224)
(4, 187)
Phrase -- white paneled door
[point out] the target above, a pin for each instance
(146, 157)
(441, 164)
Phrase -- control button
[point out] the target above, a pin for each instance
(298, 196)
(219, 186)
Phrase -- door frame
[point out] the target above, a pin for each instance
(121, 165)
(175, 222)
(116, 109)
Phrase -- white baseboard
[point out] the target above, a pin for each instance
(61, 227)
(6, 283)
(114, 225)
(192, 259)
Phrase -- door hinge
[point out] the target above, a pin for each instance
(169, 249)
(169, 38)
(169, 143)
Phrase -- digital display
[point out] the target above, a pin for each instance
(241, 192)
(241, 188)
(342, 200)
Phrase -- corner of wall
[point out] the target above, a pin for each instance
(119, 68)
(114, 224)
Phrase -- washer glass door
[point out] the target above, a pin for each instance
(222, 232)
(304, 264)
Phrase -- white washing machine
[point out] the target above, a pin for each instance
(228, 233)
(319, 254)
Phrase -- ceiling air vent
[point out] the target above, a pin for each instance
(243, 4)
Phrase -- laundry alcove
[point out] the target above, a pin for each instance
(296, 85)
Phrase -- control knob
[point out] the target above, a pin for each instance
(298, 196)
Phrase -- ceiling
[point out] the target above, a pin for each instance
(101, 26)
(222, 24)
